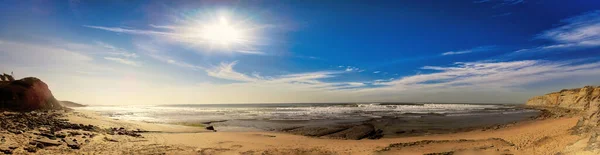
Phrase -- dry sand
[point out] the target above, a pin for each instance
(548, 136)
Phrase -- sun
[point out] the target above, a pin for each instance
(222, 32)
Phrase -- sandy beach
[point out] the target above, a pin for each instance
(542, 136)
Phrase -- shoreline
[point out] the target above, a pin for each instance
(537, 136)
(365, 122)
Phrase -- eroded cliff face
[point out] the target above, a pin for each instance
(579, 98)
(27, 94)
(587, 100)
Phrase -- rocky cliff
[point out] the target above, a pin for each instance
(71, 104)
(27, 94)
(586, 99)
(579, 98)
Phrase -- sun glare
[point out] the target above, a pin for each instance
(222, 33)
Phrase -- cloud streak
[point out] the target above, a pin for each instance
(124, 61)
(476, 49)
(579, 32)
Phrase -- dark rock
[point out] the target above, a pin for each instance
(316, 131)
(210, 128)
(110, 139)
(49, 135)
(47, 142)
(441, 153)
(6, 150)
(27, 94)
(357, 132)
(123, 131)
(61, 135)
(31, 149)
(74, 133)
(72, 143)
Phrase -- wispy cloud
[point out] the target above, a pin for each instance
(130, 31)
(351, 69)
(225, 71)
(579, 32)
(502, 15)
(476, 49)
(117, 51)
(299, 81)
(492, 75)
(160, 54)
(123, 61)
(500, 3)
(376, 72)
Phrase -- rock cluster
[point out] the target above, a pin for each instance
(16, 122)
(123, 131)
(45, 129)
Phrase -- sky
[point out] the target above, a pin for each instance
(129, 52)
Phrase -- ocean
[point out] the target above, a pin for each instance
(392, 117)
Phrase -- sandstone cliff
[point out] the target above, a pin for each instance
(586, 99)
(579, 98)
(27, 94)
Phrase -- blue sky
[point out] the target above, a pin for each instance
(192, 52)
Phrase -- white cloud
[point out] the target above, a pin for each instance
(160, 54)
(356, 84)
(492, 75)
(123, 61)
(225, 71)
(377, 72)
(576, 29)
(117, 51)
(579, 32)
(476, 49)
(351, 69)
(456, 52)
